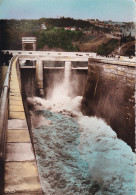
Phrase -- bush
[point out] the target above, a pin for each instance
(59, 38)
(130, 51)
(107, 48)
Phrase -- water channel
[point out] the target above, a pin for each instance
(76, 154)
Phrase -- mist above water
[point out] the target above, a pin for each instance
(78, 154)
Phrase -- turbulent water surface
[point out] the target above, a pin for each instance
(76, 154)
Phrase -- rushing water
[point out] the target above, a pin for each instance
(76, 154)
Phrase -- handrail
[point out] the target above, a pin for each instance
(3, 124)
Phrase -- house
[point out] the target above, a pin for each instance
(67, 28)
(70, 28)
(43, 27)
(73, 28)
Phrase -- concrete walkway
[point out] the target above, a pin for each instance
(21, 175)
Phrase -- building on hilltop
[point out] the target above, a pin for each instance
(43, 27)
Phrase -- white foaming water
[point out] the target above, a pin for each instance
(111, 161)
(58, 104)
(63, 89)
(67, 75)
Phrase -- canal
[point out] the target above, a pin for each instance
(77, 154)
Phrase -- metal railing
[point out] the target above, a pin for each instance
(3, 124)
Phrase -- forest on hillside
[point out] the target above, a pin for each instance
(11, 31)
(85, 37)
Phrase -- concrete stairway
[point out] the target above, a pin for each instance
(21, 175)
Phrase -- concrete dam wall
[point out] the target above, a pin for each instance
(52, 76)
(109, 94)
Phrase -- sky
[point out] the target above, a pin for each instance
(116, 10)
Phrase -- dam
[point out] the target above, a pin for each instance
(79, 128)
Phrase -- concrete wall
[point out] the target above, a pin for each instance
(54, 76)
(54, 63)
(25, 103)
(109, 94)
(78, 82)
(28, 80)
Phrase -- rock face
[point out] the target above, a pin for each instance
(109, 94)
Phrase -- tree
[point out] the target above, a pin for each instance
(106, 48)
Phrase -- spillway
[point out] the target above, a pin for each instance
(76, 154)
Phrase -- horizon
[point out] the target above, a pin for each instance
(68, 17)
(103, 10)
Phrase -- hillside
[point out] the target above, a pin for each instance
(126, 49)
(63, 34)
(93, 44)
